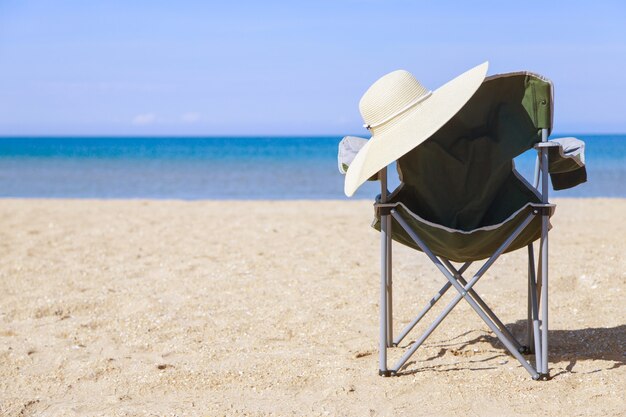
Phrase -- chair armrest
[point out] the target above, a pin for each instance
(348, 148)
(566, 162)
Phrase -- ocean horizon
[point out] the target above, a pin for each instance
(223, 168)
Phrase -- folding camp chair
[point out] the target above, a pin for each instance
(461, 200)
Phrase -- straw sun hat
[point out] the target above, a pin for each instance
(401, 113)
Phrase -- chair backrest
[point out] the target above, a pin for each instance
(462, 177)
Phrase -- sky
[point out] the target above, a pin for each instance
(288, 67)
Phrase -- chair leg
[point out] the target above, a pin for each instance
(382, 348)
(534, 309)
(389, 285)
(539, 279)
(544, 298)
(543, 257)
(530, 340)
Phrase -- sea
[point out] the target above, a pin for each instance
(225, 168)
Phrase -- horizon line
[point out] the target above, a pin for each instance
(246, 136)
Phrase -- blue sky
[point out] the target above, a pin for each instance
(283, 68)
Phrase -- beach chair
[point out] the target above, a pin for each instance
(460, 198)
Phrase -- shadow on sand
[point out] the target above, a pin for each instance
(607, 344)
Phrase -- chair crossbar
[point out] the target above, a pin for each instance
(422, 313)
(428, 306)
(458, 282)
(458, 275)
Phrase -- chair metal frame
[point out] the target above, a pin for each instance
(537, 318)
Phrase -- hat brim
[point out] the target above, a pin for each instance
(413, 127)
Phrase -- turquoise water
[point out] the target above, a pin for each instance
(227, 168)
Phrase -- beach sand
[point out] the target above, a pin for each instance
(169, 308)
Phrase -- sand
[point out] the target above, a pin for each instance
(167, 308)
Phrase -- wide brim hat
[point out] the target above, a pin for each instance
(401, 114)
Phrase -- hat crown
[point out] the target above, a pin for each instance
(389, 96)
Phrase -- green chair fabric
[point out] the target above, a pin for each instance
(459, 189)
